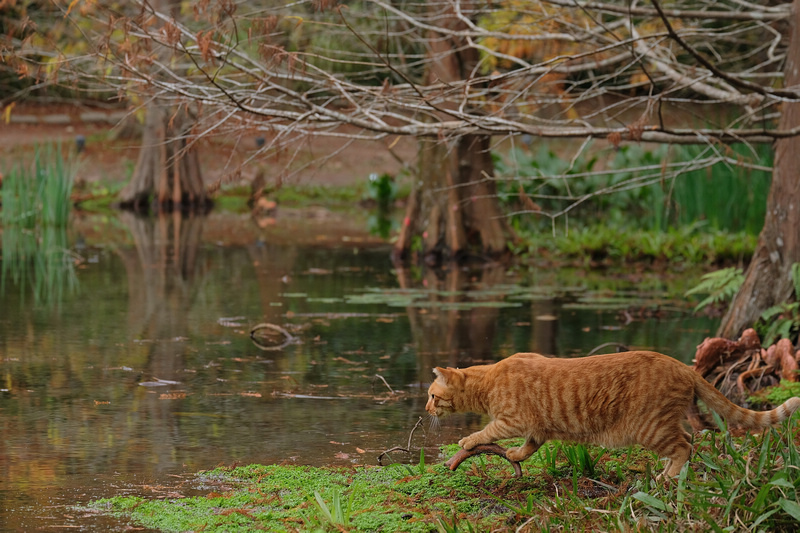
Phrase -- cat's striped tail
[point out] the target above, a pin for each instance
(738, 416)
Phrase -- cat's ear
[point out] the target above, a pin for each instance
(448, 376)
(440, 373)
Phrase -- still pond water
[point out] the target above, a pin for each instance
(134, 365)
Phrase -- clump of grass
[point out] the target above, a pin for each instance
(612, 244)
(748, 484)
(336, 515)
(35, 211)
(38, 194)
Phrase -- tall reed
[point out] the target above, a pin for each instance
(38, 194)
(34, 215)
(729, 196)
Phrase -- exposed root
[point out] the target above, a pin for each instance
(493, 449)
(738, 368)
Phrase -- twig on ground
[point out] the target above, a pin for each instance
(407, 449)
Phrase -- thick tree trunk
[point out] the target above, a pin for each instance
(167, 174)
(453, 207)
(768, 279)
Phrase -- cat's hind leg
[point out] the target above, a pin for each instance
(524, 451)
(677, 450)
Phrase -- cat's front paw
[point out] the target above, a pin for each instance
(468, 442)
(516, 455)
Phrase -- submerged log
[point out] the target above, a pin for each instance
(493, 449)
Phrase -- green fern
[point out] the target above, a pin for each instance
(782, 321)
(721, 286)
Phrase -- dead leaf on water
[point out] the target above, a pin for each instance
(251, 394)
(348, 361)
(342, 455)
(172, 396)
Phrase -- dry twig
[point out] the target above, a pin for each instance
(407, 449)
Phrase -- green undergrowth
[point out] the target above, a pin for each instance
(304, 195)
(590, 245)
(776, 395)
(734, 483)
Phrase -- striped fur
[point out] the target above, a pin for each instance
(611, 400)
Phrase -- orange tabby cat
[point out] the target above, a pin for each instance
(612, 400)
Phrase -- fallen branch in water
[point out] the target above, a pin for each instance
(391, 391)
(288, 337)
(493, 449)
(407, 449)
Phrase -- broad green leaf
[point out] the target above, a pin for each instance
(792, 508)
(652, 501)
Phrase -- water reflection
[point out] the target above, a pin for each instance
(37, 262)
(147, 369)
(456, 328)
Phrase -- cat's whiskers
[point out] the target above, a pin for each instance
(434, 424)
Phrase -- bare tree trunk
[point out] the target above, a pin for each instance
(453, 207)
(167, 174)
(768, 279)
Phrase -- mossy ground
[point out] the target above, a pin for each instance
(746, 483)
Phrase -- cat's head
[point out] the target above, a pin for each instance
(448, 383)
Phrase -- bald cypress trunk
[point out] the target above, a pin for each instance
(768, 280)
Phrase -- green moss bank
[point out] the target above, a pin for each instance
(745, 483)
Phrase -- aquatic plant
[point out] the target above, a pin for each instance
(35, 211)
(38, 194)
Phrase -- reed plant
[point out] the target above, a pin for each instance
(729, 195)
(35, 211)
(38, 193)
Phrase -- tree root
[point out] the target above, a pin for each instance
(493, 449)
